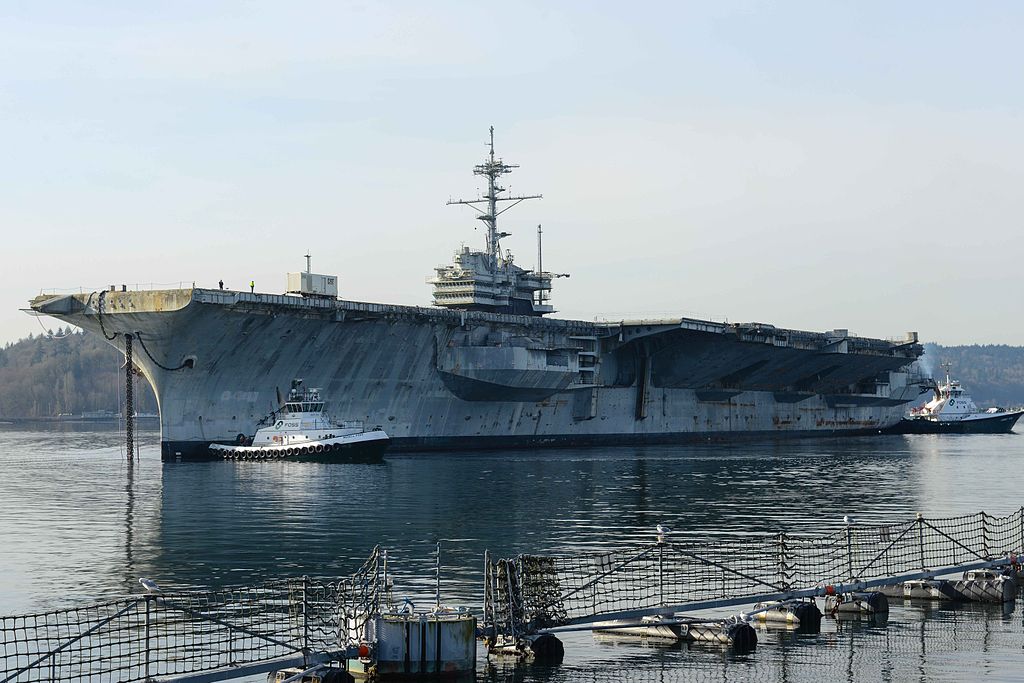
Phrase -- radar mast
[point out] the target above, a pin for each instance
(489, 280)
(492, 169)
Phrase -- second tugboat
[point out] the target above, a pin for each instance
(300, 430)
(953, 411)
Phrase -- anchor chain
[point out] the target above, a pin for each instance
(129, 398)
(99, 316)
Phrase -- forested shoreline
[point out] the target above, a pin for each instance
(71, 372)
(993, 374)
(65, 372)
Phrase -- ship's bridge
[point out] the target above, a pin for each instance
(303, 407)
(468, 283)
(488, 280)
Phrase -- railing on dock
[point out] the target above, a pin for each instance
(215, 635)
(532, 593)
(174, 634)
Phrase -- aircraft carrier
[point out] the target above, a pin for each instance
(483, 368)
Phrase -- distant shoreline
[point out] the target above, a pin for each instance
(74, 419)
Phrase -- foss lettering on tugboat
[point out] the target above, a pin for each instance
(301, 430)
(952, 411)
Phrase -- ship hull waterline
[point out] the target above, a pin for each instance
(446, 380)
(363, 451)
(1001, 423)
(179, 451)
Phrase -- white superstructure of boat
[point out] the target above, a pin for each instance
(302, 430)
(952, 410)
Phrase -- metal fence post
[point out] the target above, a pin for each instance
(375, 599)
(661, 574)
(849, 551)
(984, 535)
(920, 538)
(1021, 514)
(387, 590)
(305, 621)
(148, 602)
(782, 566)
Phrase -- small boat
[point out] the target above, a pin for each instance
(301, 431)
(953, 411)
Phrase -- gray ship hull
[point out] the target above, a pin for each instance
(442, 379)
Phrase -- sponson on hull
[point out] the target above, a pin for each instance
(487, 366)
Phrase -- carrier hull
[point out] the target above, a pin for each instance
(437, 379)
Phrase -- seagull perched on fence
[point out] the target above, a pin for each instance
(663, 531)
(150, 585)
(847, 520)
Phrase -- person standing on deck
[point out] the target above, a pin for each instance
(252, 286)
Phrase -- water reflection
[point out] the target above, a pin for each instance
(129, 521)
(245, 521)
(77, 524)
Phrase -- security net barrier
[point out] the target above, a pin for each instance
(158, 634)
(529, 592)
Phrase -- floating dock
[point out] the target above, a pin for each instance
(298, 629)
(984, 585)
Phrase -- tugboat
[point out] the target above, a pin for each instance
(301, 431)
(953, 411)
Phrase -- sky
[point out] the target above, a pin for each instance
(812, 165)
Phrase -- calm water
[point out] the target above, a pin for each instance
(77, 525)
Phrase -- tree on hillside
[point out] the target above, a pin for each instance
(69, 373)
(992, 373)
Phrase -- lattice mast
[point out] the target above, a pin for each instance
(947, 366)
(492, 169)
(489, 280)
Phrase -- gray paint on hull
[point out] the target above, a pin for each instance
(379, 364)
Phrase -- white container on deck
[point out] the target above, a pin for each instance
(312, 284)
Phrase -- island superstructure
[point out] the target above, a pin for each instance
(483, 368)
(489, 280)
